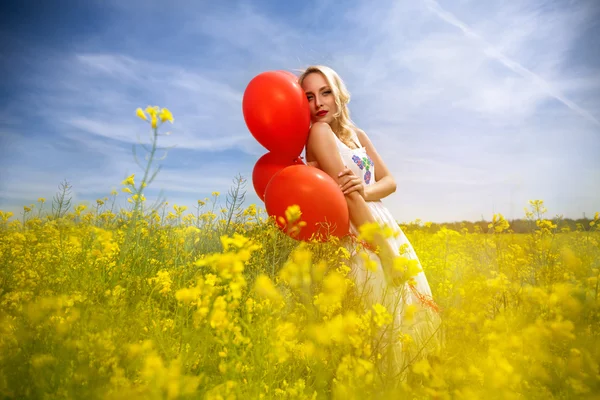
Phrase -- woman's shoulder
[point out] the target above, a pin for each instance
(360, 133)
(321, 129)
(362, 136)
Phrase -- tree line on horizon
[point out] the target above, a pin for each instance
(516, 225)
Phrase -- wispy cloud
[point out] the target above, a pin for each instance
(105, 89)
(513, 65)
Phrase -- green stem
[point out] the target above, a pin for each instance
(138, 201)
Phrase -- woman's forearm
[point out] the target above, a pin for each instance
(358, 210)
(380, 189)
(361, 214)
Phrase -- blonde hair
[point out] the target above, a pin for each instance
(343, 125)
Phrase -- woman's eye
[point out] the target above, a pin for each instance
(327, 92)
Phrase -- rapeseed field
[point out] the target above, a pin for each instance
(162, 302)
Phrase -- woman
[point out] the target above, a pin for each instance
(339, 148)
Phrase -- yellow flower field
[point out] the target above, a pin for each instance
(142, 303)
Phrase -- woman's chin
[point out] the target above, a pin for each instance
(321, 119)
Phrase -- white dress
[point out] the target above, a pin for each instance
(414, 331)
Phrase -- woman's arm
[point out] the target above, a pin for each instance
(321, 147)
(384, 181)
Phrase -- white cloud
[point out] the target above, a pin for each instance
(509, 62)
(95, 97)
(118, 67)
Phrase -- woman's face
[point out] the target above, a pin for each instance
(320, 98)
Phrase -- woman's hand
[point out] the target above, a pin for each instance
(351, 183)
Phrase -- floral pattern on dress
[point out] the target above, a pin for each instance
(364, 163)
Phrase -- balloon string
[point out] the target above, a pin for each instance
(363, 243)
(424, 299)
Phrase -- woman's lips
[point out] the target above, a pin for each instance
(322, 113)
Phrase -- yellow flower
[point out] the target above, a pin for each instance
(129, 180)
(409, 267)
(334, 291)
(152, 110)
(218, 318)
(370, 263)
(153, 120)
(264, 288)
(187, 295)
(165, 115)
(137, 197)
(216, 194)
(140, 113)
(211, 279)
(406, 341)
(41, 360)
(163, 280)
(42, 200)
(370, 230)
(422, 367)
(5, 216)
(409, 312)
(250, 211)
(179, 209)
(237, 240)
(382, 316)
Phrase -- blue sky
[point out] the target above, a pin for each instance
(476, 107)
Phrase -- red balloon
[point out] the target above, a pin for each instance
(322, 203)
(277, 113)
(290, 74)
(266, 167)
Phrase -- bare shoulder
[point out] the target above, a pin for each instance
(363, 138)
(321, 147)
(321, 132)
(321, 128)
